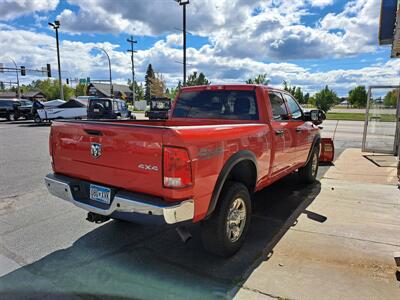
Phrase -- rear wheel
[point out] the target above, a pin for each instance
(224, 232)
(11, 116)
(308, 173)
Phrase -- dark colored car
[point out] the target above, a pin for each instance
(159, 108)
(24, 109)
(9, 109)
(106, 108)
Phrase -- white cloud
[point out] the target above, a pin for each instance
(275, 31)
(11, 9)
(321, 3)
(79, 59)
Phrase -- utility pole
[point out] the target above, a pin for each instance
(16, 72)
(56, 25)
(183, 3)
(132, 41)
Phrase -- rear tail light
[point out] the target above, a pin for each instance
(177, 168)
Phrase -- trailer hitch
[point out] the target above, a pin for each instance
(96, 218)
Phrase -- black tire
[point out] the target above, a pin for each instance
(308, 173)
(12, 116)
(214, 231)
(37, 119)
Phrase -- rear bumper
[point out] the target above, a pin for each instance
(124, 205)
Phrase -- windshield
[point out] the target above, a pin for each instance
(234, 105)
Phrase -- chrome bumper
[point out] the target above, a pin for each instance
(123, 202)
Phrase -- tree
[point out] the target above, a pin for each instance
(326, 99)
(306, 98)
(51, 89)
(158, 86)
(148, 82)
(260, 79)
(390, 99)
(193, 79)
(139, 91)
(80, 89)
(298, 94)
(358, 97)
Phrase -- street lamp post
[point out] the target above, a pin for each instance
(55, 26)
(16, 72)
(183, 3)
(109, 69)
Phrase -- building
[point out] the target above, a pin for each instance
(32, 95)
(102, 90)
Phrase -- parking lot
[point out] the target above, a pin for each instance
(48, 250)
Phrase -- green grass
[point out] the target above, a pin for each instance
(357, 117)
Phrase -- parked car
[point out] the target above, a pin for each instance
(159, 108)
(71, 109)
(25, 109)
(106, 108)
(221, 144)
(9, 109)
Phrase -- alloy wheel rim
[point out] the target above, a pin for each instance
(236, 219)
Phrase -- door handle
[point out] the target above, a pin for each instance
(279, 132)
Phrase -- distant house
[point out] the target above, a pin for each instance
(102, 90)
(33, 95)
(8, 95)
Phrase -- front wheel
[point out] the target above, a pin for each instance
(37, 119)
(308, 173)
(224, 232)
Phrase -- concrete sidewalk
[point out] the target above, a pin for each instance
(342, 246)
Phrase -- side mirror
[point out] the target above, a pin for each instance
(316, 116)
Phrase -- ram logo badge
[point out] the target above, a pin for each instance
(95, 150)
(148, 167)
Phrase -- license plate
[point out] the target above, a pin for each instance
(96, 110)
(100, 194)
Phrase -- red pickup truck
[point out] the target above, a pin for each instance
(219, 145)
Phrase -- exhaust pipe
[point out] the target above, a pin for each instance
(96, 218)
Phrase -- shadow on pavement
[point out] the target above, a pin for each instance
(124, 261)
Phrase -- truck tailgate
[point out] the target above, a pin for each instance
(128, 157)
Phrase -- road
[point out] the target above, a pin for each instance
(48, 250)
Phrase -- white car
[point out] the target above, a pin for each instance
(71, 109)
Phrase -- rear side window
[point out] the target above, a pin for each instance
(99, 103)
(278, 106)
(230, 105)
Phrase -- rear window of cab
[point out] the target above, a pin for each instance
(206, 104)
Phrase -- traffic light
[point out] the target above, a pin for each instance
(23, 71)
(48, 70)
(67, 79)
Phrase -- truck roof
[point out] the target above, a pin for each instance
(227, 87)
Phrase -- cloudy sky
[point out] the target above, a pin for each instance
(308, 43)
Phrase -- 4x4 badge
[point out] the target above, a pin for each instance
(95, 150)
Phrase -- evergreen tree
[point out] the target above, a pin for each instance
(149, 78)
(193, 79)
